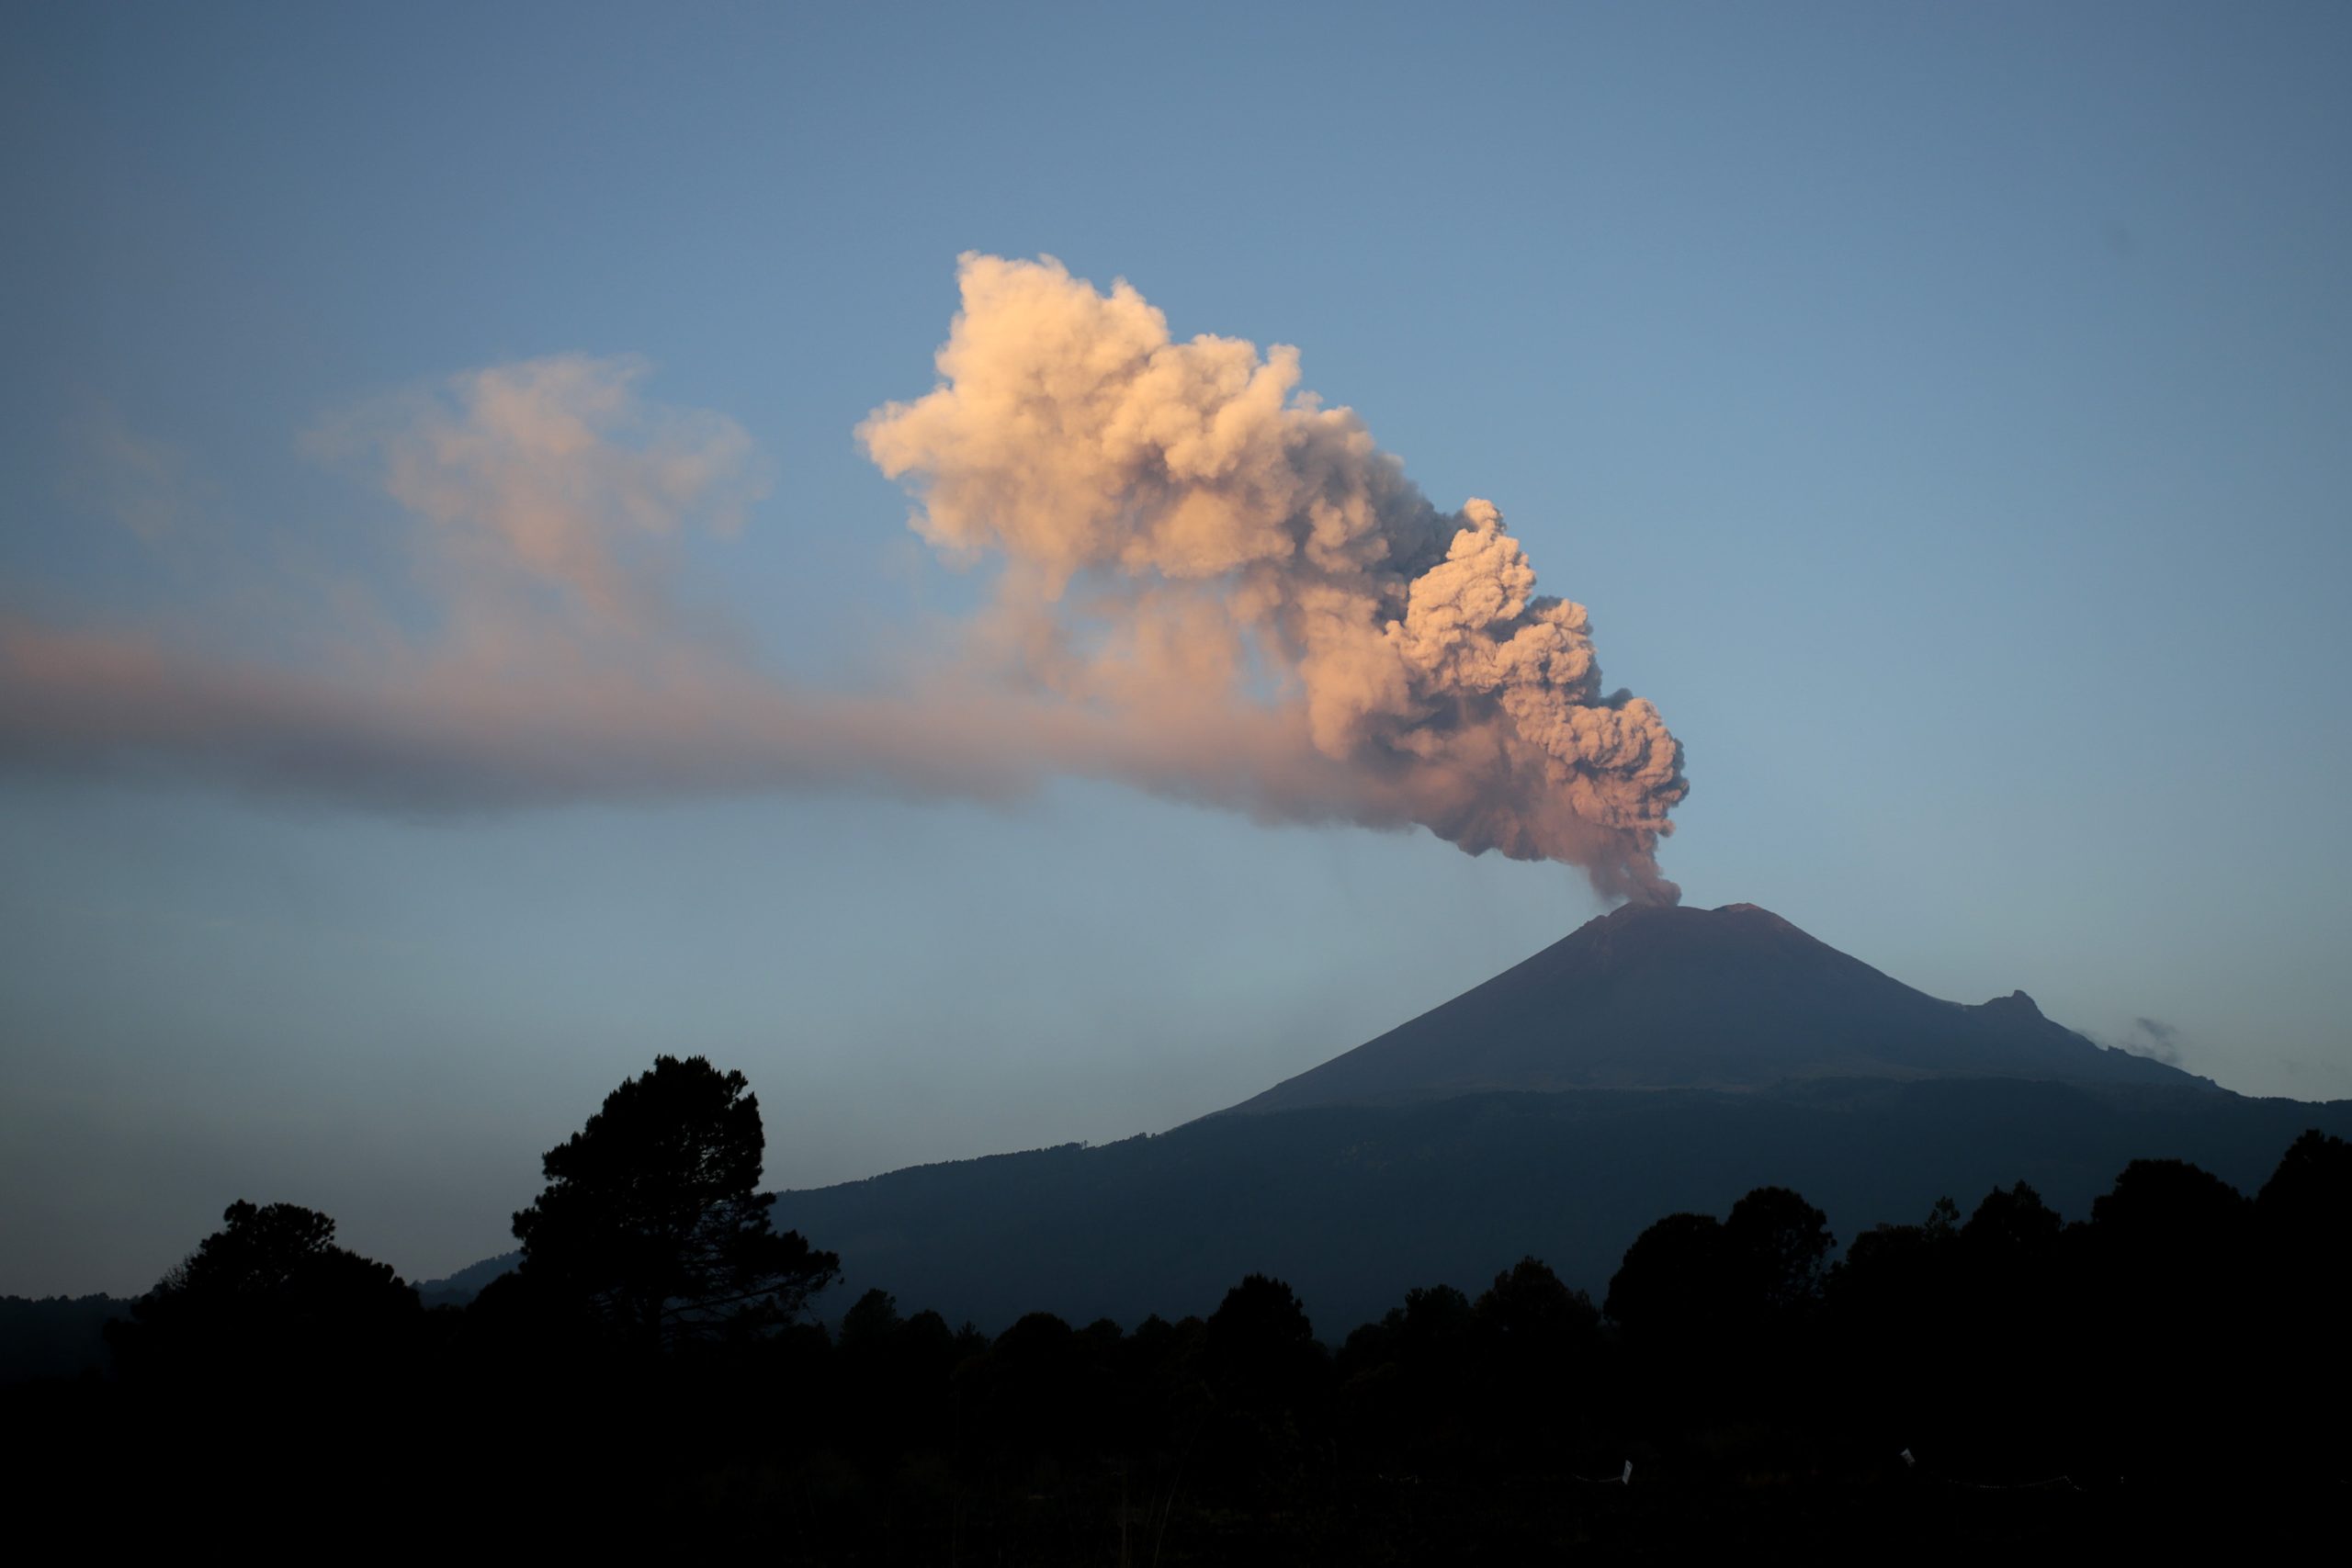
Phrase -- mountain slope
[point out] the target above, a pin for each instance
(1734, 997)
(1355, 1204)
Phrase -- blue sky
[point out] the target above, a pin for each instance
(1943, 411)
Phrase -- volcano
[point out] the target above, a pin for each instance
(1653, 1061)
(1728, 999)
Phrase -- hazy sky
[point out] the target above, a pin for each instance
(1945, 414)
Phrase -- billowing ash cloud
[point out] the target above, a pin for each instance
(1175, 513)
(1207, 585)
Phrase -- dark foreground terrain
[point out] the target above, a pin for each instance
(2164, 1373)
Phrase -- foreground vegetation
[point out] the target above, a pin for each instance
(2169, 1367)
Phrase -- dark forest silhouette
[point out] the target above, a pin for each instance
(2171, 1366)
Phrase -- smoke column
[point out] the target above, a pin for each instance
(1180, 526)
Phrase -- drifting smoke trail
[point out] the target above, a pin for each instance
(1175, 514)
(1211, 587)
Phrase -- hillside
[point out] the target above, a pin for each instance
(1355, 1204)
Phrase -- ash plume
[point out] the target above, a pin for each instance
(1178, 518)
(1207, 585)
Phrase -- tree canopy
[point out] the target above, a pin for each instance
(269, 1291)
(651, 1223)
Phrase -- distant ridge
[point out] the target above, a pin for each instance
(1728, 999)
(468, 1282)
